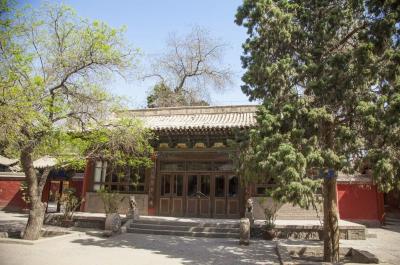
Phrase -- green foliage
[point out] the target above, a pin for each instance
(111, 200)
(327, 73)
(270, 215)
(53, 98)
(69, 203)
(54, 69)
(163, 96)
(124, 143)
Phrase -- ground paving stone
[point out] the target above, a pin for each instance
(12, 221)
(138, 249)
(386, 245)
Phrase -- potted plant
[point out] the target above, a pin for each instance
(270, 216)
(69, 203)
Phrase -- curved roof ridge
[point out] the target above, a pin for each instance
(197, 117)
(187, 110)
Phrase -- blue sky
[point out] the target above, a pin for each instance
(148, 25)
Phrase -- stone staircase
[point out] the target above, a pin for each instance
(209, 229)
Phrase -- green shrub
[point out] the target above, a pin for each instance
(111, 200)
(69, 203)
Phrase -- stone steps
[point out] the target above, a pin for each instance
(185, 228)
(392, 219)
(186, 223)
(178, 228)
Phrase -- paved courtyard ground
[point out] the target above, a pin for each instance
(137, 249)
(88, 248)
(386, 245)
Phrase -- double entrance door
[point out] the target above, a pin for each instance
(199, 195)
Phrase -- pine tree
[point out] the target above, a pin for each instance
(321, 71)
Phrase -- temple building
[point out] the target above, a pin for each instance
(192, 174)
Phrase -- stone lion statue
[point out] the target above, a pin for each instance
(249, 211)
(133, 211)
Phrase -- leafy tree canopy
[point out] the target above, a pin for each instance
(53, 71)
(53, 75)
(328, 74)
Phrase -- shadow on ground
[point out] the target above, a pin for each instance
(192, 250)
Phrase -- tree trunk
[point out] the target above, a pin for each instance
(35, 221)
(35, 188)
(331, 221)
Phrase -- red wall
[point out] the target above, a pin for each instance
(10, 195)
(360, 202)
(77, 185)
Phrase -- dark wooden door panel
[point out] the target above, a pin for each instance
(177, 207)
(193, 188)
(164, 206)
(233, 208)
(220, 208)
(191, 208)
(205, 207)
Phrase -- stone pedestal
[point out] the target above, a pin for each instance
(113, 223)
(244, 231)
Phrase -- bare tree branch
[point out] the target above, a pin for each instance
(191, 65)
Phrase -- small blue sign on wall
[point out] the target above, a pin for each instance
(330, 174)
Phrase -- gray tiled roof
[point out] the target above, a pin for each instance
(197, 118)
(45, 161)
(7, 161)
(354, 178)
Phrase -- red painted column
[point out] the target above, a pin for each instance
(46, 191)
(152, 186)
(86, 181)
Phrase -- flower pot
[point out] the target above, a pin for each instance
(270, 234)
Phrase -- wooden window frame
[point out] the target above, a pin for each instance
(123, 185)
